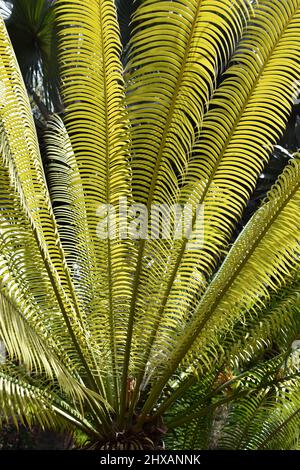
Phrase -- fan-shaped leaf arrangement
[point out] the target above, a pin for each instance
(109, 335)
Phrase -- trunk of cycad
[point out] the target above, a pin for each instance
(150, 437)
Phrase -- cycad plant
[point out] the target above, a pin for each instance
(118, 326)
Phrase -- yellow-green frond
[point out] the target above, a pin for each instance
(27, 345)
(93, 93)
(235, 142)
(27, 401)
(24, 276)
(261, 328)
(268, 420)
(251, 277)
(91, 74)
(22, 166)
(177, 52)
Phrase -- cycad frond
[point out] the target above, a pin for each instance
(112, 334)
(30, 348)
(234, 143)
(24, 275)
(249, 409)
(278, 323)
(182, 46)
(241, 128)
(245, 280)
(33, 259)
(27, 400)
(268, 419)
(95, 114)
(176, 54)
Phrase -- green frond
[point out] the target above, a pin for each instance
(234, 143)
(245, 280)
(274, 229)
(93, 93)
(67, 198)
(19, 138)
(95, 119)
(33, 220)
(277, 324)
(267, 420)
(29, 346)
(239, 131)
(23, 274)
(113, 335)
(24, 400)
(69, 208)
(197, 433)
(240, 406)
(176, 53)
